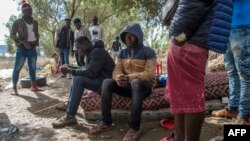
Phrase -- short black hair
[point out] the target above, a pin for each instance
(83, 39)
(95, 18)
(67, 19)
(76, 20)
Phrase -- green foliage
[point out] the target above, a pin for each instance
(11, 45)
(112, 14)
(9, 42)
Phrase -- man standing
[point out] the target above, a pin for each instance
(237, 64)
(24, 32)
(115, 49)
(80, 31)
(65, 42)
(99, 66)
(96, 30)
(133, 76)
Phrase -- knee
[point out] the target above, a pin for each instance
(78, 81)
(231, 69)
(244, 69)
(108, 84)
(136, 83)
(244, 76)
(32, 65)
(17, 68)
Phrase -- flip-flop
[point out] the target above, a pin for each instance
(168, 138)
(99, 128)
(132, 136)
(168, 124)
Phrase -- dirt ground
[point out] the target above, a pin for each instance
(23, 112)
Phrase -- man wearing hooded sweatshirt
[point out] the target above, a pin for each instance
(133, 76)
(237, 64)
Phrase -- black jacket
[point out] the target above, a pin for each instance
(99, 64)
(65, 38)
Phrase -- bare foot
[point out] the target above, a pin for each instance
(14, 91)
(36, 89)
(132, 135)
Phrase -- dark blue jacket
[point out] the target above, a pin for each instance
(241, 14)
(206, 23)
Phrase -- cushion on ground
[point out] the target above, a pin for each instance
(216, 87)
(124, 115)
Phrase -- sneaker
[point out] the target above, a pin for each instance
(62, 107)
(225, 113)
(69, 76)
(64, 121)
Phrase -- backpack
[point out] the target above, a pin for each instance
(168, 11)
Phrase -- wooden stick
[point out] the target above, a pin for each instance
(47, 108)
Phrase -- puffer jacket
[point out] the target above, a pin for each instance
(206, 23)
(241, 14)
(138, 63)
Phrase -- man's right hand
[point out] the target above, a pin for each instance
(122, 80)
(26, 44)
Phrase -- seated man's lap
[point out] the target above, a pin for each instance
(143, 89)
(92, 84)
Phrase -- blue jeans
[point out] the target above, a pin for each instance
(237, 63)
(64, 55)
(79, 83)
(21, 54)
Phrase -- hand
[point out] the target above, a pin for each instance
(65, 69)
(122, 80)
(180, 44)
(26, 44)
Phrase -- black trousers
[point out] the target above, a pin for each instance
(138, 90)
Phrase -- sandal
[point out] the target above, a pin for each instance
(132, 135)
(99, 128)
(36, 89)
(168, 138)
(168, 124)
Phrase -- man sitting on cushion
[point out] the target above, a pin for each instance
(133, 76)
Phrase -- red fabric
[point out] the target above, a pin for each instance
(154, 101)
(216, 87)
(186, 70)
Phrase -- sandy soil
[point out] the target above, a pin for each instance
(22, 111)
